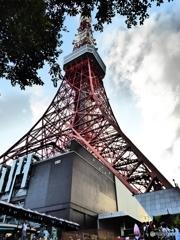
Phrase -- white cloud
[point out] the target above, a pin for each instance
(38, 102)
(145, 61)
(14, 117)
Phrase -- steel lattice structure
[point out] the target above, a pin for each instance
(80, 110)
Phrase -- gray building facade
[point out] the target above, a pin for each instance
(74, 186)
(162, 202)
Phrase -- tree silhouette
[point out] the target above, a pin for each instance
(30, 32)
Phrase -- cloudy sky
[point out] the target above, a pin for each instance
(142, 82)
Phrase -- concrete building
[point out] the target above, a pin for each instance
(161, 202)
(74, 186)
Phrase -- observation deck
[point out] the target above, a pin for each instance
(81, 54)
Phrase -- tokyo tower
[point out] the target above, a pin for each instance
(80, 110)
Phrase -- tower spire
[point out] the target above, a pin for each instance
(85, 33)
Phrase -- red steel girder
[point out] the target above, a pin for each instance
(81, 110)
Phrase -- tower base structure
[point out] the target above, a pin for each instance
(74, 186)
(77, 187)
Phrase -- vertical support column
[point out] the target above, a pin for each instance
(18, 171)
(122, 228)
(3, 171)
(11, 175)
(26, 170)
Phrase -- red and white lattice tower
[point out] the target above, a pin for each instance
(80, 110)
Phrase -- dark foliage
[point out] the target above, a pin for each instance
(168, 219)
(30, 32)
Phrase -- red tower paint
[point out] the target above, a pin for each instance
(80, 110)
